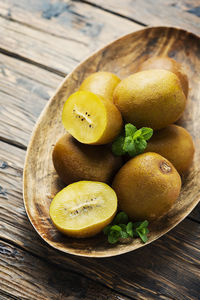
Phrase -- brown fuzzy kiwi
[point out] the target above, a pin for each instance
(147, 186)
(101, 83)
(151, 98)
(74, 161)
(169, 64)
(175, 144)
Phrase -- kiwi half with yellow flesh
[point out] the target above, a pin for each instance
(75, 161)
(101, 83)
(91, 119)
(83, 208)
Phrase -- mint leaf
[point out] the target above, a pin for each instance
(144, 224)
(124, 234)
(128, 144)
(141, 146)
(130, 129)
(129, 229)
(116, 228)
(117, 146)
(142, 234)
(133, 141)
(113, 237)
(123, 227)
(106, 230)
(121, 218)
(137, 134)
(147, 133)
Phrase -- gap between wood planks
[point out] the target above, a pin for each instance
(112, 12)
(32, 62)
(50, 264)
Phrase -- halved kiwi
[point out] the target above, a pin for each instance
(83, 208)
(91, 119)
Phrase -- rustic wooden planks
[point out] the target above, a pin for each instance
(168, 265)
(57, 45)
(25, 276)
(171, 264)
(184, 14)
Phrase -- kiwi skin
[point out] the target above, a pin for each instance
(168, 64)
(147, 186)
(151, 98)
(101, 83)
(75, 161)
(175, 144)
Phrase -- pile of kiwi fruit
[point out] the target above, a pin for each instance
(99, 183)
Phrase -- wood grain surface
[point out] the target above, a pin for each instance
(26, 75)
(122, 57)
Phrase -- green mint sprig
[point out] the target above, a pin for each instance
(121, 228)
(133, 141)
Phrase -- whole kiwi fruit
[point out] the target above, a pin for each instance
(175, 144)
(169, 64)
(147, 186)
(152, 98)
(75, 161)
(101, 83)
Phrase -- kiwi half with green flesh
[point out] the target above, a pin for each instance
(83, 208)
(75, 161)
(91, 119)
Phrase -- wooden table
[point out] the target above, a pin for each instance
(40, 42)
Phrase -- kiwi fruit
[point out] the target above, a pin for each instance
(175, 144)
(152, 98)
(91, 119)
(147, 186)
(101, 83)
(75, 161)
(169, 64)
(83, 208)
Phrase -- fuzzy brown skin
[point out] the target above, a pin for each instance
(168, 64)
(101, 83)
(175, 144)
(152, 98)
(147, 186)
(74, 161)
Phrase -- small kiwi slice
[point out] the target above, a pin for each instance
(83, 208)
(91, 119)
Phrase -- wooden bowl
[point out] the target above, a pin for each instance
(121, 57)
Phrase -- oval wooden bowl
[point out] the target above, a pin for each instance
(121, 57)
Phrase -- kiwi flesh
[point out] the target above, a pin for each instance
(91, 119)
(83, 208)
